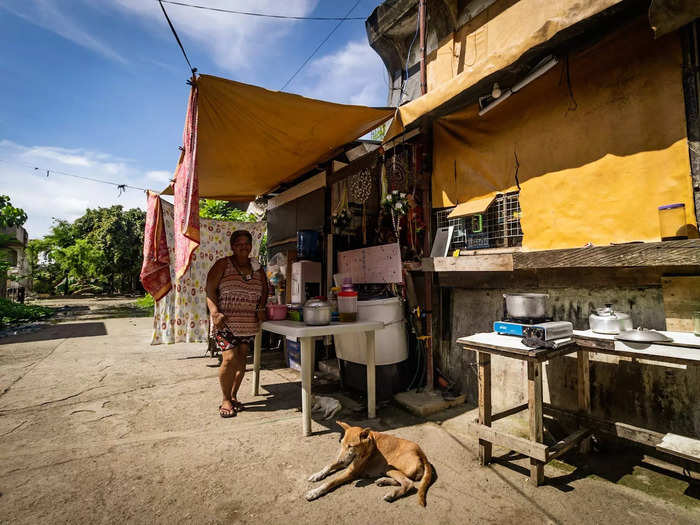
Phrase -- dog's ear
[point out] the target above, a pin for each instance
(365, 433)
(344, 426)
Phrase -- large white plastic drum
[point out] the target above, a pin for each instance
(390, 342)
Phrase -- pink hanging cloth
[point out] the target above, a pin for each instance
(186, 191)
(155, 271)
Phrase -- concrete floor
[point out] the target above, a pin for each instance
(96, 426)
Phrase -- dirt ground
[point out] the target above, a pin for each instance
(96, 426)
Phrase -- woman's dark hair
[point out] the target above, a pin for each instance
(241, 233)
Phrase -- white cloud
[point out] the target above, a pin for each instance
(59, 196)
(234, 41)
(159, 176)
(51, 15)
(353, 75)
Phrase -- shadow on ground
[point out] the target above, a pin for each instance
(60, 331)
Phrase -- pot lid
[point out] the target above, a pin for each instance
(316, 302)
(608, 311)
(643, 335)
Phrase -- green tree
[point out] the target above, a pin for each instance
(102, 250)
(223, 211)
(9, 215)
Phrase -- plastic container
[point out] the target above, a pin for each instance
(296, 312)
(276, 312)
(333, 301)
(347, 306)
(672, 223)
(308, 245)
(391, 345)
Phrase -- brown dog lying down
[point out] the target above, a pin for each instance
(369, 454)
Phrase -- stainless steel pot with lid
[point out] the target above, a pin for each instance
(526, 305)
(607, 321)
(317, 312)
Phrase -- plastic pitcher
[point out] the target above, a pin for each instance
(672, 223)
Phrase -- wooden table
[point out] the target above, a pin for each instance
(487, 344)
(306, 334)
(683, 350)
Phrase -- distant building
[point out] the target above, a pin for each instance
(17, 277)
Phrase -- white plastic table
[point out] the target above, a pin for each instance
(298, 330)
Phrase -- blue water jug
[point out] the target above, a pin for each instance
(308, 245)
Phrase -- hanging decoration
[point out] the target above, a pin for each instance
(396, 205)
(342, 218)
(360, 191)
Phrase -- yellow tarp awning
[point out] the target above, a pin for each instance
(251, 139)
(594, 167)
(471, 207)
(499, 43)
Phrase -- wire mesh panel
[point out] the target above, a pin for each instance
(496, 227)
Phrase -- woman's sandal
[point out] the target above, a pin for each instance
(238, 406)
(227, 412)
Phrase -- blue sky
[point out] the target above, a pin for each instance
(97, 87)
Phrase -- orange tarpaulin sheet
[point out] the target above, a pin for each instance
(497, 44)
(251, 139)
(594, 163)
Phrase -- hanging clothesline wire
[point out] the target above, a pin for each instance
(120, 187)
(263, 15)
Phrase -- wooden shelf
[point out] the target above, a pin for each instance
(648, 254)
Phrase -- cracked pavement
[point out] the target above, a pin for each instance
(97, 426)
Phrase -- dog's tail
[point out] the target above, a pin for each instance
(425, 480)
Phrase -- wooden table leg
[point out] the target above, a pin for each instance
(584, 392)
(307, 363)
(371, 376)
(256, 362)
(534, 401)
(484, 360)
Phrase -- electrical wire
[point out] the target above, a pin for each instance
(408, 57)
(172, 28)
(319, 46)
(120, 187)
(263, 15)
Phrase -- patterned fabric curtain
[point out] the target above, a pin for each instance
(181, 316)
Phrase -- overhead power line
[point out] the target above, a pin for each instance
(48, 172)
(263, 15)
(320, 45)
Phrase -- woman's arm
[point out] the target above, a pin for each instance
(213, 278)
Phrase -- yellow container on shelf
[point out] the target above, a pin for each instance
(672, 223)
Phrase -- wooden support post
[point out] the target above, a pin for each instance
(534, 399)
(484, 361)
(584, 392)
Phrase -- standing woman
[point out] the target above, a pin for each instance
(236, 297)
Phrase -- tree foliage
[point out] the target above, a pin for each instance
(9, 215)
(100, 251)
(223, 211)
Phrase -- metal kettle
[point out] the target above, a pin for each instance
(608, 321)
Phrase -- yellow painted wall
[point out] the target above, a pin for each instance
(593, 168)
